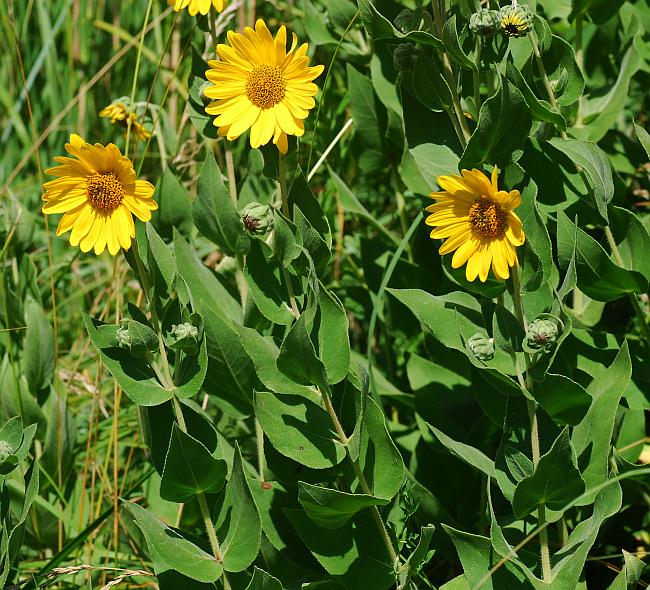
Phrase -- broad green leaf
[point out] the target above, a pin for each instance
(263, 581)
(473, 457)
(314, 22)
(644, 138)
(564, 400)
(299, 429)
(354, 554)
(380, 28)
(632, 238)
(190, 469)
(168, 547)
(38, 348)
(205, 289)
(286, 247)
(418, 558)
(597, 275)
(196, 101)
(135, 376)
(331, 509)
(215, 215)
(454, 47)
(540, 110)
(380, 461)
(630, 574)
(174, 207)
(333, 337)
(503, 125)
(161, 264)
(598, 10)
(562, 70)
(430, 86)
(298, 360)
(264, 353)
(592, 437)
(238, 524)
(555, 482)
(596, 166)
(267, 286)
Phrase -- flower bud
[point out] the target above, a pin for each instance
(542, 333)
(485, 22)
(404, 19)
(187, 336)
(6, 450)
(515, 20)
(135, 337)
(257, 218)
(404, 57)
(481, 346)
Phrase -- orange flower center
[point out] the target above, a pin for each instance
(104, 191)
(265, 86)
(487, 218)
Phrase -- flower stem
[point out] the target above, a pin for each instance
(282, 182)
(261, 461)
(534, 429)
(477, 77)
(632, 296)
(580, 62)
(135, 75)
(360, 476)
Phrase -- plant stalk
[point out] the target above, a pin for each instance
(284, 198)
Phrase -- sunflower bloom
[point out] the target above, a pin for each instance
(200, 6)
(478, 223)
(120, 115)
(259, 85)
(97, 191)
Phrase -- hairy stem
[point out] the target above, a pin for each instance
(284, 198)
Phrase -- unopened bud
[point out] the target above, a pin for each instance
(542, 333)
(6, 451)
(481, 346)
(257, 218)
(515, 20)
(485, 22)
(404, 57)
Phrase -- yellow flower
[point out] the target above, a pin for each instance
(98, 193)
(118, 113)
(478, 222)
(259, 85)
(194, 6)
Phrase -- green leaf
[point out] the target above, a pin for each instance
(630, 574)
(644, 138)
(380, 28)
(562, 71)
(453, 45)
(430, 86)
(596, 166)
(592, 438)
(473, 457)
(267, 287)
(190, 469)
(503, 126)
(170, 548)
(599, 10)
(299, 429)
(286, 245)
(555, 482)
(206, 290)
(263, 581)
(298, 360)
(134, 376)
(174, 207)
(564, 400)
(238, 524)
(161, 264)
(331, 509)
(38, 348)
(333, 336)
(215, 215)
(314, 22)
(380, 460)
(354, 554)
(200, 119)
(419, 557)
(263, 352)
(632, 238)
(597, 275)
(540, 110)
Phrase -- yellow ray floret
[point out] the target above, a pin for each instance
(98, 193)
(120, 115)
(197, 6)
(477, 222)
(259, 85)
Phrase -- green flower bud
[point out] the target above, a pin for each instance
(185, 331)
(6, 451)
(135, 337)
(515, 20)
(485, 22)
(404, 57)
(257, 218)
(187, 336)
(542, 333)
(481, 346)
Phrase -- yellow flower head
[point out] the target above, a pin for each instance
(259, 85)
(478, 222)
(118, 113)
(194, 6)
(98, 193)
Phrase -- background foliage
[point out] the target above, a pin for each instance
(379, 427)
